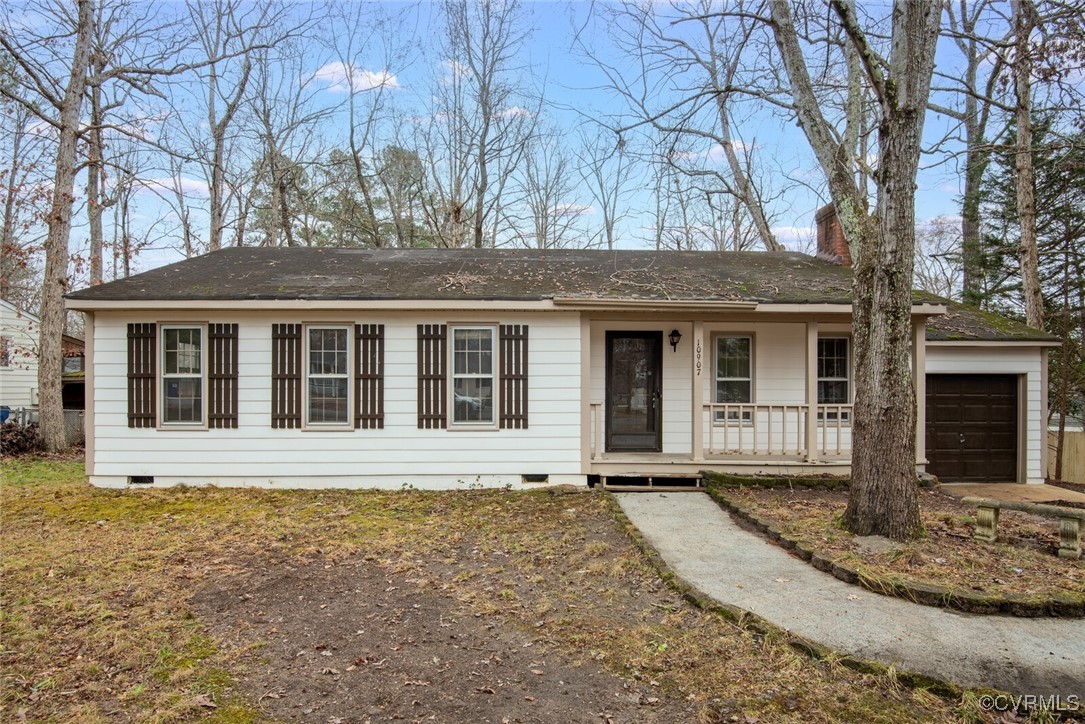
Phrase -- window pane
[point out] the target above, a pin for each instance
(472, 352)
(733, 357)
(833, 358)
(183, 399)
(328, 400)
(473, 400)
(733, 391)
(833, 392)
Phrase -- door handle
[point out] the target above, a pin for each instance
(961, 439)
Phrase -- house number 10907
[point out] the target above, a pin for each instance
(698, 358)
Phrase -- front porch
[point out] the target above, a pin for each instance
(672, 412)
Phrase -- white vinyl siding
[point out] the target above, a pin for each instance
(367, 457)
(19, 379)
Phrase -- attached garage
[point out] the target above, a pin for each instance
(972, 427)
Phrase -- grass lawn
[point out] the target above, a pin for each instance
(168, 605)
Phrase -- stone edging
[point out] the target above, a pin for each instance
(748, 621)
(926, 594)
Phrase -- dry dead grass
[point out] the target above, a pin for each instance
(1023, 561)
(96, 623)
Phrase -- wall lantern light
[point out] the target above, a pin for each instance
(674, 337)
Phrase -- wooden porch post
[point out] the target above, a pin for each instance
(585, 396)
(697, 384)
(812, 391)
(919, 382)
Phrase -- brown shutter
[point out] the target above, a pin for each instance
(285, 375)
(513, 380)
(142, 348)
(368, 376)
(432, 378)
(222, 375)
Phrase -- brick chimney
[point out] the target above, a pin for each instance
(831, 244)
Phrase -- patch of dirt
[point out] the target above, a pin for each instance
(359, 641)
(1078, 487)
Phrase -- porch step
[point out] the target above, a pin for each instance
(677, 482)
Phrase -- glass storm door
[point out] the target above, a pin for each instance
(634, 391)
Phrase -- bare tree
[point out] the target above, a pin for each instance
(689, 59)
(481, 122)
(25, 194)
(67, 101)
(938, 265)
(546, 189)
(605, 167)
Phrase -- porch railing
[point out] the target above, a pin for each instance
(834, 430)
(597, 446)
(752, 429)
(757, 430)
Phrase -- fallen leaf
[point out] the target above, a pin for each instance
(537, 672)
(853, 597)
(205, 700)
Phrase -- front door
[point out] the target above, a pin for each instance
(634, 391)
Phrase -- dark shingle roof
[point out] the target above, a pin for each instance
(506, 274)
(327, 274)
(961, 323)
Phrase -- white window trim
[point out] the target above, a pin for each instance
(851, 387)
(495, 362)
(747, 418)
(327, 426)
(160, 377)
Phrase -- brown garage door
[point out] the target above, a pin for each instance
(972, 428)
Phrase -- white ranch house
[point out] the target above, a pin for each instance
(445, 368)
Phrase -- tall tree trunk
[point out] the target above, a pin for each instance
(50, 353)
(95, 181)
(1025, 180)
(882, 499)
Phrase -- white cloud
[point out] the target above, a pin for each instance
(347, 78)
(515, 112)
(785, 234)
(190, 187)
(574, 210)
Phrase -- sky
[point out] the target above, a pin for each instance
(575, 92)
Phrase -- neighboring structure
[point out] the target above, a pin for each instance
(437, 368)
(19, 361)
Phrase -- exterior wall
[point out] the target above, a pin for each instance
(398, 454)
(19, 380)
(992, 359)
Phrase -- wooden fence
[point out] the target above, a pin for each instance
(1073, 455)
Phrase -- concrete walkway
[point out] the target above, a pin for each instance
(701, 543)
(1015, 492)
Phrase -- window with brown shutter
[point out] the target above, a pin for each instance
(432, 380)
(513, 379)
(142, 350)
(368, 376)
(222, 375)
(285, 375)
